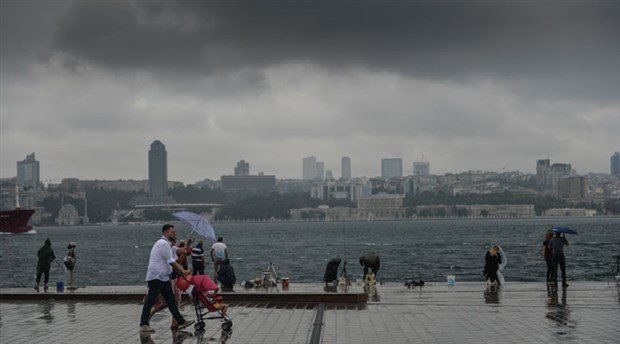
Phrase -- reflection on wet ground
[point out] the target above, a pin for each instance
(491, 294)
(46, 308)
(521, 312)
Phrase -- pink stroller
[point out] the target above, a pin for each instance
(206, 301)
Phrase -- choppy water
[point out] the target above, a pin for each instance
(118, 255)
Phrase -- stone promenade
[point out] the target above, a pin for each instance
(586, 312)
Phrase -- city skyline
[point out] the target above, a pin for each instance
(506, 84)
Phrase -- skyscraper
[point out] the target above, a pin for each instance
(614, 163)
(158, 170)
(28, 172)
(242, 169)
(421, 168)
(391, 167)
(309, 168)
(320, 169)
(346, 167)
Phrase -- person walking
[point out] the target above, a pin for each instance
(546, 252)
(556, 245)
(198, 259)
(491, 267)
(161, 264)
(219, 253)
(46, 256)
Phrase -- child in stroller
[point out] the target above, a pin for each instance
(206, 300)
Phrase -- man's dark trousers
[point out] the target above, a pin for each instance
(555, 260)
(165, 288)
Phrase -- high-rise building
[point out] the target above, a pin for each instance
(242, 169)
(329, 175)
(391, 167)
(541, 169)
(614, 163)
(309, 168)
(28, 172)
(158, 170)
(320, 170)
(421, 168)
(548, 176)
(346, 167)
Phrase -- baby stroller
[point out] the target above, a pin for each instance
(206, 301)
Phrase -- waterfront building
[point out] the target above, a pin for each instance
(421, 168)
(476, 211)
(158, 170)
(68, 216)
(575, 212)
(614, 163)
(28, 173)
(391, 167)
(242, 168)
(309, 168)
(346, 167)
(381, 206)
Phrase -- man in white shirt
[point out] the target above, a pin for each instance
(219, 253)
(161, 263)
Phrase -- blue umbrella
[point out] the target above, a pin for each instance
(564, 230)
(198, 223)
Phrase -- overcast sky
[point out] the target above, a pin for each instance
(488, 85)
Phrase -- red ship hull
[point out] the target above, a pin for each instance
(15, 221)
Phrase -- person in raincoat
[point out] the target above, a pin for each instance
(46, 256)
(226, 275)
(492, 262)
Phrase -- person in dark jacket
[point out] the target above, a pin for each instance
(226, 275)
(370, 262)
(46, 256)
(556, 245)
(546, 252)
(492, 261)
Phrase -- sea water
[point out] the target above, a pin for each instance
(118, 255)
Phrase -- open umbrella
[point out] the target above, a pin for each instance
(565, 230)
(198, 223)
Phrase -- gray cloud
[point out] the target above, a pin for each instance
(546, 41)
(472, 85)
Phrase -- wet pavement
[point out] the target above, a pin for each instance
(586, 312)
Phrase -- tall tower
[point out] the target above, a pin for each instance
(346, 168)
(28, 172)
(614, 163)
(158, 170)
(310, 170)
(421, 168)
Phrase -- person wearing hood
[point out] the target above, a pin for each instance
(371, 262)
(46, 256)
(226, 275)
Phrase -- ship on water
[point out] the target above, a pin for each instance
(16, 220)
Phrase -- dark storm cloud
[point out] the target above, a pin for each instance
(556, 43)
